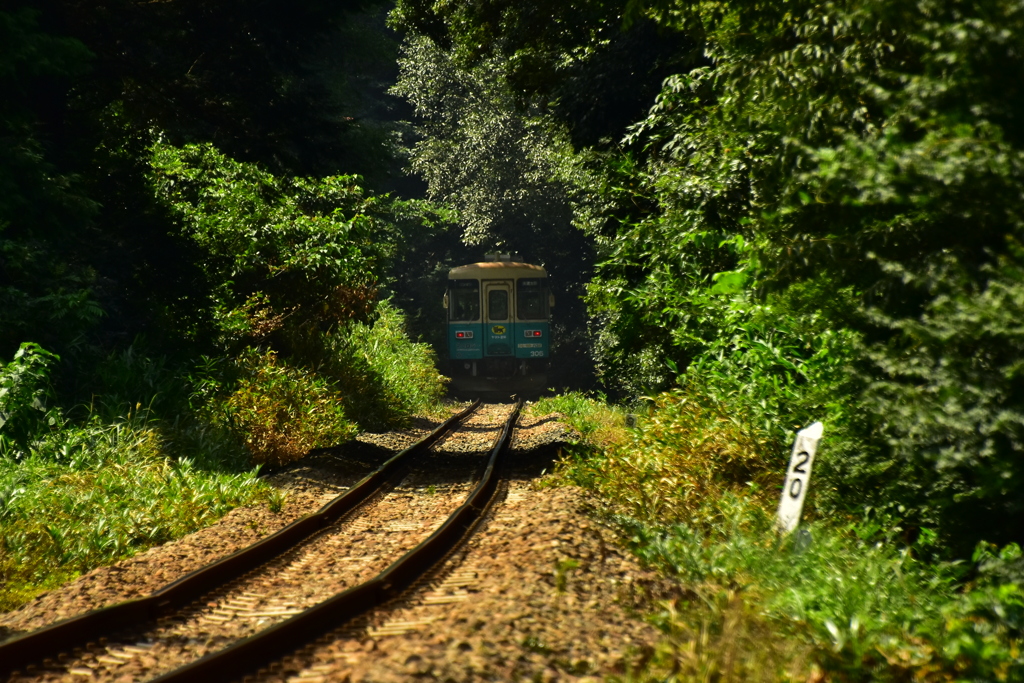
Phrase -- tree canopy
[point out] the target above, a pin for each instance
(817, 216)
(807, 210)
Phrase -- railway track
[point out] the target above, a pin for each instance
(260, 604)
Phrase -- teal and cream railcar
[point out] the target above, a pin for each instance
(499, 323)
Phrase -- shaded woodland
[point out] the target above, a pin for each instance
(758, 215)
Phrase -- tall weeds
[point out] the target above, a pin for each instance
(693, 491)
(92, 494)
(282, 412)
(385, 376)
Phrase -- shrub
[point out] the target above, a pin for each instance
(385, 376)
(728, 427)
(277, 253)
(945, 409)
(685, 451)
(24, 392)
(281, 412)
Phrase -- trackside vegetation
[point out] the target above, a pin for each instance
(189, 294)
(91, 494)
(88, 485)
(814, 214)
(693, 498)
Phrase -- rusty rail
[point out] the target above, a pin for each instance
(249, 655)
(65, 635)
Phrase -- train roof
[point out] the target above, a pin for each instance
(496, 269)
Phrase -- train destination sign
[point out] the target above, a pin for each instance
(797, 477)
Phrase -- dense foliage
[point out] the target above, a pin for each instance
(867, 149)
(817, 217)
(192, 274)
(277, 253)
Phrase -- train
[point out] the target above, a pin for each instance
(499, 326)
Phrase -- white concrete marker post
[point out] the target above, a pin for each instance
(797, 477)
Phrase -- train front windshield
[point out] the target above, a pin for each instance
(531, 299)
(465, 300)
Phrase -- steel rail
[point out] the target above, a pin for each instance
(76, 631)
(249, 655)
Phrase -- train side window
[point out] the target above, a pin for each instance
(497, 304)
(465, 301)
(530, 299)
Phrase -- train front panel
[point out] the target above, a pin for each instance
(532, 331)
(499, 331)
(465, 326)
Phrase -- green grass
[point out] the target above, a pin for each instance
(594, 419)
(406, 369)
(854, 605)
(693, 492)
(384, 375)
(86, 487)
(91, 495)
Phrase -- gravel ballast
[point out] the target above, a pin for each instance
(542, 593)
(308, 485)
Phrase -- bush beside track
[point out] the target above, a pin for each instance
(163, 451)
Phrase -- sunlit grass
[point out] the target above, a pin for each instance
(597, 422)
(91, 495)
(386, 377)
(694, 492)
(678, 453)
(281, 412)
(842, 603)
